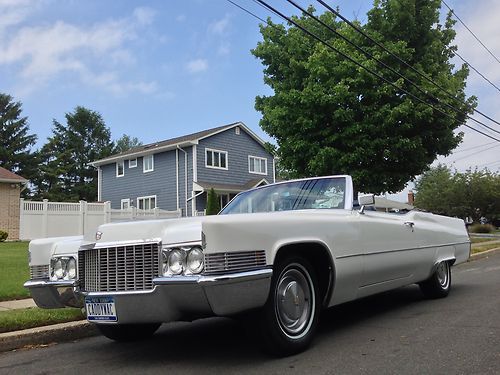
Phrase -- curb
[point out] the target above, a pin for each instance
(483, 254)
(45, 335)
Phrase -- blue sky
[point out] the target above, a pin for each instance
(160, 69)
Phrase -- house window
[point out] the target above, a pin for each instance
(146, 203)
(132, 163)
(257, 165)
(125, 204)
(237, 130)
(120, 168)
(215, 159)
(148, 163)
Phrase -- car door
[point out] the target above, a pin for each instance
(389, 241)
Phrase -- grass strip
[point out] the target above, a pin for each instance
(14, 320)
(482, 239)
(480, 249)
(14, 270)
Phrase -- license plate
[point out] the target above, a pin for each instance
(101, 309)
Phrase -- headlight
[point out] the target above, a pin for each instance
(184, 260)
(194, 261)
(176, 261)
(62, 268)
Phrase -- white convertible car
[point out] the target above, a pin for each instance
(278, 253)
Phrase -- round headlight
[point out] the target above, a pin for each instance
(71, 268)
(176, 260)
(195, 260)
(58, 269)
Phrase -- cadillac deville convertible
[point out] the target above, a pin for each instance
(278, 253)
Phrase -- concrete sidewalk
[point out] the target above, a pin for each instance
(17, 304)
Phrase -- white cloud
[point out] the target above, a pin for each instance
(197, 66)
(94, 54)
(220, 26)
(144, 15)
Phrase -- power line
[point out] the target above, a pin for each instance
(432, 97)
(380, 45)
(473, 148)
(289, 20)
(474, 35)
(475, 153)
(477, 71)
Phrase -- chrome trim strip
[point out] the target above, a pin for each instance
(182, 244)
(99, 245)
(204, 280)
(405, 249)
(55, 284)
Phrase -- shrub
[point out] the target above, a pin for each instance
(3, 235)
(213, 206)
(481, 228)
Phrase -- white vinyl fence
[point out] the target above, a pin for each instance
(53, 219)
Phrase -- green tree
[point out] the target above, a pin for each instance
(213, 204)
(329, 116)
(66, 173)
(474, 193)
(125, 143)
(15, 140)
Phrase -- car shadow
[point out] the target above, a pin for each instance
(215, 340)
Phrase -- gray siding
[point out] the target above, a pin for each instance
(238, 148)
(160, 182)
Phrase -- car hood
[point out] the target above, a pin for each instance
(169, 231)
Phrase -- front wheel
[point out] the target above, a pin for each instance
(439, 284)
(290, 316)
(128, 332)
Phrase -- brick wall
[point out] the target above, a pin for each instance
(9, 209)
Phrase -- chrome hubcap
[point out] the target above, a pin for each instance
(443, 274)
(294, 301)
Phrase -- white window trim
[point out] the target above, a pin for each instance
(130, 163)
(250, 157)
(220, 151)
(123, 201)
(122, 162)
(148, 197)
(144, 170)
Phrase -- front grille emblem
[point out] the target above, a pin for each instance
(98, 235)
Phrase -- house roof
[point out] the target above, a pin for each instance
(8, 176)
(231, 188)
(172, 143)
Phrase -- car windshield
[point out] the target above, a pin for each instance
(294, 195)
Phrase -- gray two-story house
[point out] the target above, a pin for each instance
(177, 173)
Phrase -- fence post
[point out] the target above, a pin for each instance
(45, 218)
(21, 219)
(83, 217)
(107, 212)
(134, 213)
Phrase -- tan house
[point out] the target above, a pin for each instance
(10, 190)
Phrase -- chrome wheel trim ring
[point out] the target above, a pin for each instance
(295, 301)
(443, 274)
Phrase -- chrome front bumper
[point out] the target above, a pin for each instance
(172, 298)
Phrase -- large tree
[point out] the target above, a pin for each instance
(474, 193)
(15, 140)
(329, 116)
(125, 143)
(66, 173)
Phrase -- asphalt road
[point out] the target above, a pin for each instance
(397, 332)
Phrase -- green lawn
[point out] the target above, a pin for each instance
(484, 247)
(481, 239)
(14, 320)
(14, 270)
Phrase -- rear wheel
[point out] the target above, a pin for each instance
(439, 284)
(128, 332)
(290, 316)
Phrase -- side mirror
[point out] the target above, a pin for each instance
(366, 200)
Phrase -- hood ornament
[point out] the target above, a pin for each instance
(98, 235)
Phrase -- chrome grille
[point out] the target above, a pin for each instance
(234, 262)
(121, 268)
(39, 272)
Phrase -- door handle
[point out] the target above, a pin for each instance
(410, 224)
